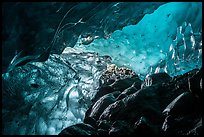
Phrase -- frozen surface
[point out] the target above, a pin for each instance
(33, 27)
(168, 40)
(44, 98)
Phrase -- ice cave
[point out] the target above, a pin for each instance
(102, 68)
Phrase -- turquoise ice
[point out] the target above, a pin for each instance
(168, 40)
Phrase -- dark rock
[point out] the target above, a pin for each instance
(143, 102)
(101, 105)
(180, 82)
(122, 84)
(120, 128)
(156, 79)
(201, 84)
(102, 132)
(129, 111)
(184, 110)
(116, 93)
(121, 96)
(79, 129)
(197, 130)
(194, 84)
(137, 84)
(127, 92)
(104, 124)
(143, 127)
(183, 104)
(185, 76)
(103, 90)
(112, 110)
(130, 90)
(88, 112)
(91, 121)
(180, 125)
(170, 90)
(167, 94)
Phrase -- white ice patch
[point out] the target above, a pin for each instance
(66, 85)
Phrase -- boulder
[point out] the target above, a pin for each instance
(130, 90)
(127, 92)
(144, 127)
(120, 128)
(104, 124)
(182, 105)
(143, 102)
(180, 125)
(79, 129)
(121, 96)
(103, 90)
(102, 132)
(101, 105)
(172, 89)
(122, 84)
(112, 110)
(116, 93)
(157, 78)
(181, 115)
(91, 121)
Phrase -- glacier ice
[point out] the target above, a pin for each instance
(46, 97)
(168, 40)
(31, 27)
(42, 98)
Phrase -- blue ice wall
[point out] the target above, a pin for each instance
(168, 40)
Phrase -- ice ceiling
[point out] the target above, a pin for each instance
(32, 29)
(146, 37)
(168, 40)
(133, 34)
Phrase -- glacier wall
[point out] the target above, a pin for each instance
(43, 98)
(168, 40)
(46, 97)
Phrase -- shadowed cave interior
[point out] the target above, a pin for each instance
(102, 68)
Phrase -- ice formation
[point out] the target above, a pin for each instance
(168, 40)
(45, 97)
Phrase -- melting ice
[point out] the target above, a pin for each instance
(44, 98)
(168, 40)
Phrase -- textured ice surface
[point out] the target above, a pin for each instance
(44, 98)
(31, 27)
(168, 40)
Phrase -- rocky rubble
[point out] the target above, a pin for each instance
(159, 105)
